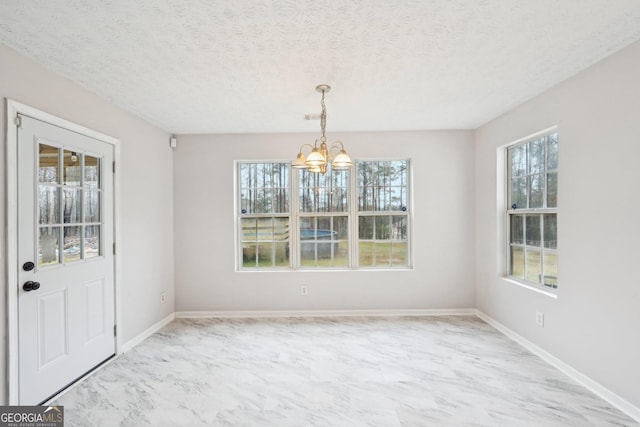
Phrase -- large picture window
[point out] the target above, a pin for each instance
(343, 219)
(532, 181)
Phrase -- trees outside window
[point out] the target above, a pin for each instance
(304, 220)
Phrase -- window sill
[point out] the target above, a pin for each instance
(530, 287)
(320, 270)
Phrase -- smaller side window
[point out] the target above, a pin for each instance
(383, 214)
(264, 214)
(532, 182)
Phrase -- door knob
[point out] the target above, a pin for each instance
(31, 286)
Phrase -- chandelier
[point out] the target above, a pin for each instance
(321, 155)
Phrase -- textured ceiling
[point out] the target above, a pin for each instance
(203, 66)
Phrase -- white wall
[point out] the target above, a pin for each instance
(443, 227)
(146, 196)
(594, 324)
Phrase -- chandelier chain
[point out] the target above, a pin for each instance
(323, 118)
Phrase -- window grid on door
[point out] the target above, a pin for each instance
(68, 206)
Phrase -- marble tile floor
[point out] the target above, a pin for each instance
(369, 371)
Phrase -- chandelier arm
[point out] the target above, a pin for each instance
(334, 148)
(305, 145)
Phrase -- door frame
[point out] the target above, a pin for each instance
(13, 109)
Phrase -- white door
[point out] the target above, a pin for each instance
(65, 254)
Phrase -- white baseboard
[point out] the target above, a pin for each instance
(147, 333)
(598, 389)
(324, 313)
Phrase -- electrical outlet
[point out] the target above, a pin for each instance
(163, 298)
(304, 290)
(539, 319)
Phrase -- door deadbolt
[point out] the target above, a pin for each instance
(28, 266)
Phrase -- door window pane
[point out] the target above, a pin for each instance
(71, 205)
(48, 164)
(71, 244)
(49, 205)
(71, 168)
(91, 172)
(91, 206)
(48, 246)
(92, 241)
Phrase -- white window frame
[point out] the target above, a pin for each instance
(258, 215)
(406, 213)
(295, 216)
(509, 212)
(298, 215)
